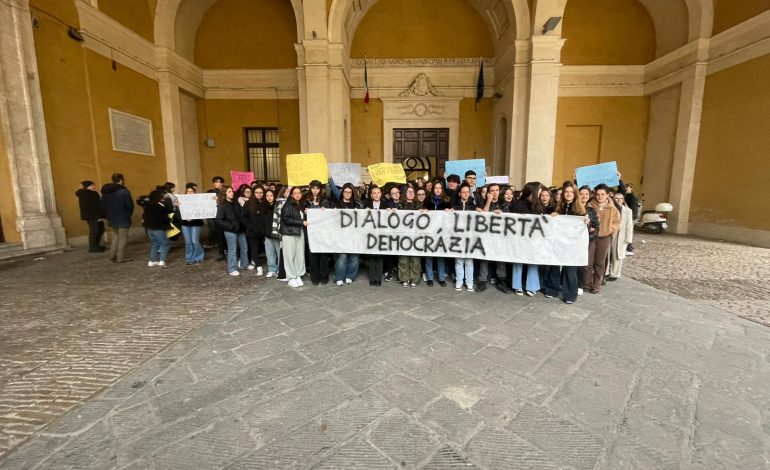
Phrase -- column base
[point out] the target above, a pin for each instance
(41, 231)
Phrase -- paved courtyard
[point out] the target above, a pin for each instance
(213, 372)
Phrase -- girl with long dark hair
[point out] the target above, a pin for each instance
(529, 203)
(293, 237)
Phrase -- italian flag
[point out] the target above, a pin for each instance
(366, 87)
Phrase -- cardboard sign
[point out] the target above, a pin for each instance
(343, 173)
(594, 175)
(498, 180)
(197, 206)
(302, 168)
(459, 167)
(512, 238)
(241, 177)
(383, 173)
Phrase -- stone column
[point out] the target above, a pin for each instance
(545, 70)
(173, 133)
(317, 102)
(686, 145)
(23, 125)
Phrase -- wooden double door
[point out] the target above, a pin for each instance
(421, 151)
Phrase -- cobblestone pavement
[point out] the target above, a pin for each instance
(733, 277)
(74, 323)
(362, 377)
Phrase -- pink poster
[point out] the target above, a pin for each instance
(241, 177)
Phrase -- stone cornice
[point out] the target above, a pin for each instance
(423, 62)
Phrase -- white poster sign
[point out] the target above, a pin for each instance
(197, 206)
(498, 180)
(345, 173)
(518, 238)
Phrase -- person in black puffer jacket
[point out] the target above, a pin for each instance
(157, 221)
(529, 203)
(293, 237)
(92, 212)
(229, 221)
(464, 266)
(256, 212)
(118, 208)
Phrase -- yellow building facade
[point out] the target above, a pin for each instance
(183, 90)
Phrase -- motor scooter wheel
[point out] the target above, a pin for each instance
(653, 228)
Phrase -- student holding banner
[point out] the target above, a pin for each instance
(375, 202)
(191, 231)
(293, 237)
(528, 203)
(272, 233)
(346, 264)
(157, 222)
(319, 262)
(437, 202)
(409, 266)
(464, 266)
(564, 279)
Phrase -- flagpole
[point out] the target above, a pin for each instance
(366, 87)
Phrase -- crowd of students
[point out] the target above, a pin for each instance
(264, 224)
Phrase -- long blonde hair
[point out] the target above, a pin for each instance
(579, 209)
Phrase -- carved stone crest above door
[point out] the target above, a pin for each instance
(421, 86)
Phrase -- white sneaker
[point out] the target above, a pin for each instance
(270, 274)
(162, 264)
(250, 267)
(235, 273)
(339, 283)
(259, 271)
(298, 281)
(348, 281)
(580, 291)
(293, 283)
(152, 263)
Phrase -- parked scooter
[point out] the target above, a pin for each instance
(655, 221)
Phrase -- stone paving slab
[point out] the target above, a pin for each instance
(428, 378)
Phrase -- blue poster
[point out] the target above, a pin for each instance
(459, 167)
(594, 175)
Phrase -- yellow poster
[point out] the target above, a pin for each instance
(383, 173)
(302, 168)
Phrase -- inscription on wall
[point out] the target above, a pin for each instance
(130, 133)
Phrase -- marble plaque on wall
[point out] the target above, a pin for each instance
(131, 133)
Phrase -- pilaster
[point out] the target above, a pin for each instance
(23, 125)
(545, 70)
(173, 134)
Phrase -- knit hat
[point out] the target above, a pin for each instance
(86, 183)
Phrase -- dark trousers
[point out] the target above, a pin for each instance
(212, 238)
(564, 279)
(95, 232)
(319, 267)
(281, 268)
(597, 262)
(390, 264)
(375, 268)
(256, 247)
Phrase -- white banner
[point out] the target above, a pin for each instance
(343, 173)
(198, 206)
(517, 238)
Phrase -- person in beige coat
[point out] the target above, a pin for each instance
(621, 239)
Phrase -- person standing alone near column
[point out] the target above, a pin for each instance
(118, 208)
(92, 212)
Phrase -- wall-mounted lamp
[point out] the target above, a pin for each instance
(551, 24)
(497, 95)
(210, 143)
(75, 34)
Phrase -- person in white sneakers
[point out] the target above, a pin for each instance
(293, 237)
(157, 222)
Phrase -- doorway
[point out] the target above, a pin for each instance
(422, 152)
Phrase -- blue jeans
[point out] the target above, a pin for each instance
(159, 244)
(464, 269)
(272, 249)
(346, 267)
(235, 241)
(193, 251)
(441, 269)
(533, 277)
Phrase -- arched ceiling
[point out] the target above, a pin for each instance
(507, 20)
(177, 21)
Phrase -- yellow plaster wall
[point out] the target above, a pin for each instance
(607, 32)
(78, 86)
(366, 132)
(422, 28)
(732, 166)
(64, 88)
(476, 130)
(7, 203)
(728, 13)
(224, 121)
(247, 34)
(136, 15)
(592, 130)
